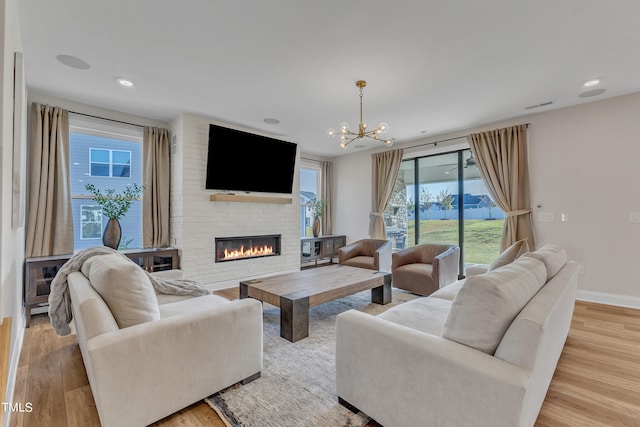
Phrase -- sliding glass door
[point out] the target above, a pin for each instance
(442, 199)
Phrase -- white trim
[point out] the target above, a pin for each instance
(13, 370)
(105, 128)
(609, 299)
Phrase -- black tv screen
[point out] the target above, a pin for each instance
(242, 161)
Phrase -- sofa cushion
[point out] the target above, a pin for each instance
(553, 257)
(510, 254)
(486, 304)
(124, 287)
(449, 292)
(423, 314)
(192, 304)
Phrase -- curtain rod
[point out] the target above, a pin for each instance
(435, 143)
(104, 118)
(313, 160)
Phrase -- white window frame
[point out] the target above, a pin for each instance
(82, 222)
(314, 165)
(110, 162)
(105, 128)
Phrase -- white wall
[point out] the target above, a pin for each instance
(584, 161)
(12, 240)
(196, 221)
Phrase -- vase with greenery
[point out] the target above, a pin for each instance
(316, 208)
(114, 205)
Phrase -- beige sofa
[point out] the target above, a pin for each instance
(146, 360)
(479, 352)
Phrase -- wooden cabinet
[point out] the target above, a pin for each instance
(38, 274)
(321, 247)
(40, 271)
(154, 259)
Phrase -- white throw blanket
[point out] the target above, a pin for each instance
(60, 312)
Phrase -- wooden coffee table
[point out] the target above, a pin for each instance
(296, 292)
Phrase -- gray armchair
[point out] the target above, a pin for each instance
(425, 268)
(374, 254)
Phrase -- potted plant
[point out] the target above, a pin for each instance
(316, 207)
(114, 206)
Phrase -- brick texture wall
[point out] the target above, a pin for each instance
(196, 221)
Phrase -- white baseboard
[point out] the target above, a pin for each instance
(609, 299)
(13, 369)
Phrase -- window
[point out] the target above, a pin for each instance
(113, 163)
(108, 155)
(310, 174)
(449, 205)
(91, 222)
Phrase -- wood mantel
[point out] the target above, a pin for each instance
(249, 199)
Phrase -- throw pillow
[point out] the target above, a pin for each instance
(125, 288)
(553, 257)
(510, 254)
(486, 304)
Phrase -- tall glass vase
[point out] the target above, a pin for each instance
(112, 234)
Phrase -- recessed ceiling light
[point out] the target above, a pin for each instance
(73, 62)
(592, 92)
(592, 82)
(271, 121)
(124, 82)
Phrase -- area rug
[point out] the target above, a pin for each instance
(297, 385)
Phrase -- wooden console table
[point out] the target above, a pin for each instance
(40, 271)
(321, 247)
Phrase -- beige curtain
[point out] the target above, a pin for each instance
(326, 189)
(155, 199)
(384, 174)
(503, 164)
(50, 220)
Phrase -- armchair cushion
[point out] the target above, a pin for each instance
(124, 287)
(486, 304)
(510, 254)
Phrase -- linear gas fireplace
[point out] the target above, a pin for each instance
(243, 247)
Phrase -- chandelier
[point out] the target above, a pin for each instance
(348, 136)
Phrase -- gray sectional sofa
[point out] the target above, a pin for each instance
(479, 352)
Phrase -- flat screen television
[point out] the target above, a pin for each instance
(242, 161)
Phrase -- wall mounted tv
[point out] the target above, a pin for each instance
(241, 161)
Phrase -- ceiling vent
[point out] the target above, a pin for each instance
(544, 104)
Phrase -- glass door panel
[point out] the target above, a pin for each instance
(437, 194)
(449, 205)
(483, 220)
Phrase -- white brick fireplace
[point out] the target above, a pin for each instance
(196, 221)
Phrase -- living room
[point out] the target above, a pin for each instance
(582, 157)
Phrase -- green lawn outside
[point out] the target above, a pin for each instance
(481, 237)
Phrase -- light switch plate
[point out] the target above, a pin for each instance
(545, 217)
(634, 217)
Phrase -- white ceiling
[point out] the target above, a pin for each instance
(431, 66)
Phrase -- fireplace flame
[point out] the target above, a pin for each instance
(249, 252)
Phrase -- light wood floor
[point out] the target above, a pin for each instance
(597, 382)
